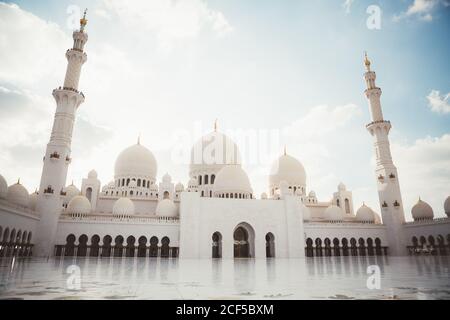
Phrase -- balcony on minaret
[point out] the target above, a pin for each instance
(75, 49)
(54, 156)
(49, 190)
(378, 122)
(69, 89)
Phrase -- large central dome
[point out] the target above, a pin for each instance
(214, 150)
(136, 161)
(288, 169)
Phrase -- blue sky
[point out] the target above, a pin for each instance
(274, 65)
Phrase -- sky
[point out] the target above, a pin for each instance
(286, 72)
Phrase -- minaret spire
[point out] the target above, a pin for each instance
(215, 125)
(366, 61)
(389, 194)
(58, 154)
(83, 21)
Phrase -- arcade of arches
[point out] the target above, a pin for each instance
(344, 247)
(430, 245)
(15, 242)
(117, 247)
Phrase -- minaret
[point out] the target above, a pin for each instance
(57, 156)
(386, 173)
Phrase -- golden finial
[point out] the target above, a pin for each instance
(139, 139)
(215, 125)
(18, 181)
(285, 150)
(366, 61)
(83, 21)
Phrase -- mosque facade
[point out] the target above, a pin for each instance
(216, 213)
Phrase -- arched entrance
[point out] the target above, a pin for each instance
(82, 246)
(244, 241)
(70, 245)
(95, 247)
(142, 247)
(309, 248)
(153, 247)
(118, 247)
(165, 248)
(217, 245)
(106, 249)
(270, 245)
(130, 246)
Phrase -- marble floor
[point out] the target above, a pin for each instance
(425, 277)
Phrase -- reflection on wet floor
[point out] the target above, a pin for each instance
(148, 278)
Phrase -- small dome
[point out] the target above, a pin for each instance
(79, 205)
(365, 214)
(306, 212)
(179, 187)
(123, 207)
(17, 194)
(342, 187)
(422, 211)
(3, 187)
(33, 200)
(288, 169)
(447, 206)
(136, 161)
(334, 213)
(167, 178)
(92, 174)
(232, 178)
(71, 192)
(166, 208)
(263, 196)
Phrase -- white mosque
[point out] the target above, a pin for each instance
(216, 215)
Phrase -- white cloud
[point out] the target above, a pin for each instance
(424, 170)
(41, 50)
(170, 20)
(318, 138)
(321, 120)
(438, 103)
(347, 5)
(421, 9)
(421, 6)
